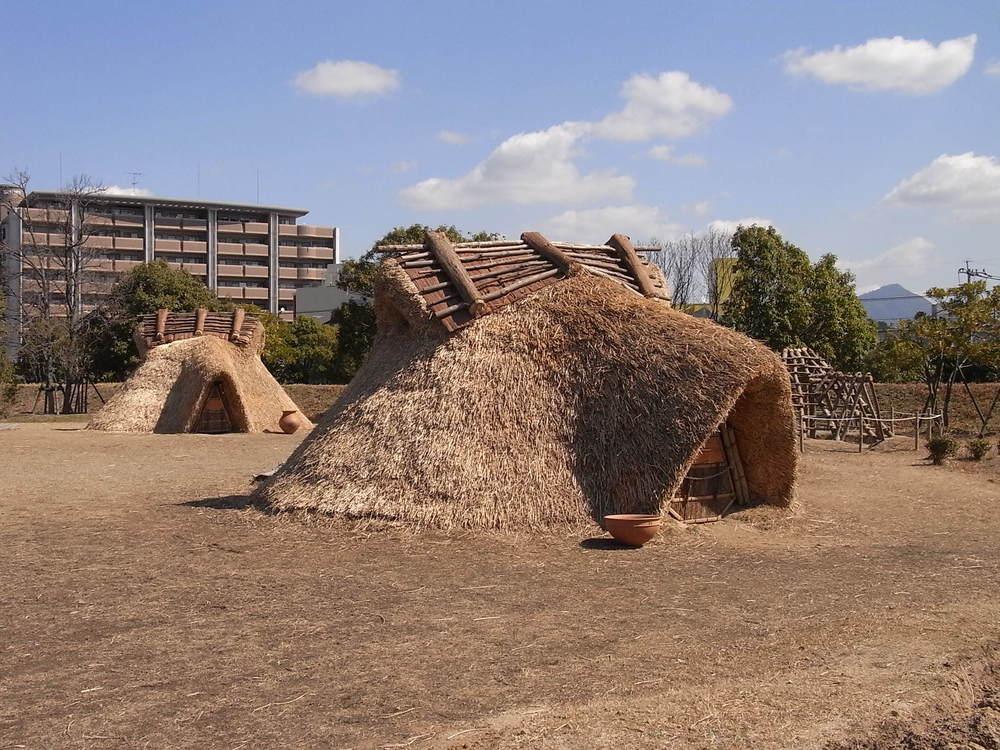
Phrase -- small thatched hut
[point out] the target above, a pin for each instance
(526, 383)
(201, 372)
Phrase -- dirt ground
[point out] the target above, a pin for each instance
(313, 400)
(143, 605)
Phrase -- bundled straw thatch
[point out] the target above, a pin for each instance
(170, 388)
(582, 399)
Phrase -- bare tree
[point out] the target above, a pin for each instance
(52, 262)
(679, 260)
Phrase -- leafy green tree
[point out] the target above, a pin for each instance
(782, 299)
(839, 327)
(769, 300)
(315, 351)
(142, 291)
(963, 332)
(892, 360)
(355, 322)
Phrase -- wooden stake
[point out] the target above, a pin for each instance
(537, 242)
(916, 432)
(623, 246)
(444, 253)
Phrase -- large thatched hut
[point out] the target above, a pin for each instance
(527, 383)
(201, 372)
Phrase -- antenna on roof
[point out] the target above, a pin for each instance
(135, 178)
(258, 186)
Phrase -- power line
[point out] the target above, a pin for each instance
(978, 273)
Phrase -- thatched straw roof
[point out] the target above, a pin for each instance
(170, 388)
(581, 399)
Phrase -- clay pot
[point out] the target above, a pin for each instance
(633, 529)
(290, 421)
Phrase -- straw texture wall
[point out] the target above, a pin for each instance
(166, 393)
(581, 400)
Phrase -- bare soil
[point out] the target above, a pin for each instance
(313, 400)
(144, 604)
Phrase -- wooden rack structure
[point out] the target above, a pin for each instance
(831, 401)
(461, 282)
(164, 327)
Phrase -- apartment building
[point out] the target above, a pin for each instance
(246, 253)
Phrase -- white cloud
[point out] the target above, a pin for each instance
(119, 190)
(967, 185)
(913, 66)
(641, 223)
(667, 154)
(534, 167)
(539, 166)
(729, 226)
(346, 78)
(453, 137)
(992, 68)
(669, 105)
(904, 262)
(700, 208)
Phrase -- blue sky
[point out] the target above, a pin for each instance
(865, 129)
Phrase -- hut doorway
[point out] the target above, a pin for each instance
(713, 483)
(215, 418)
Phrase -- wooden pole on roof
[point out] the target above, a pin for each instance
(199, 321)
(537, 242)
(444, 253)
(238, 314)
(161, 323)
(626, 252)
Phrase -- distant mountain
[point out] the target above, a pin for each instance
(893, 302)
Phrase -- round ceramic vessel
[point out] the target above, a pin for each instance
(633, 529)
(289, 422)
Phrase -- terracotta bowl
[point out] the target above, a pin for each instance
(633, 529)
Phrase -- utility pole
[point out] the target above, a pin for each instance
(975, 273)
(135, 179)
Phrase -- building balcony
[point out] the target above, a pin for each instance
(308, 230)
(127, 265)
(99, 242)
(287, 273)
(167, 222)
(230, 248)
(130, 222)
(288, 317)
(235, 227)
(195, 269)
(46, 215)
(286, 295)
(251, 292)
(255, 227)
(195, 246)
(168, 246)
(255, 272)
(195, 225)
(255, 250)
(288, 251)
(100, 221)
(227, 269)
(287, 230)
(102, 264)
(129, 243)
(312, 274)
(316, 253)
(174, 266)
